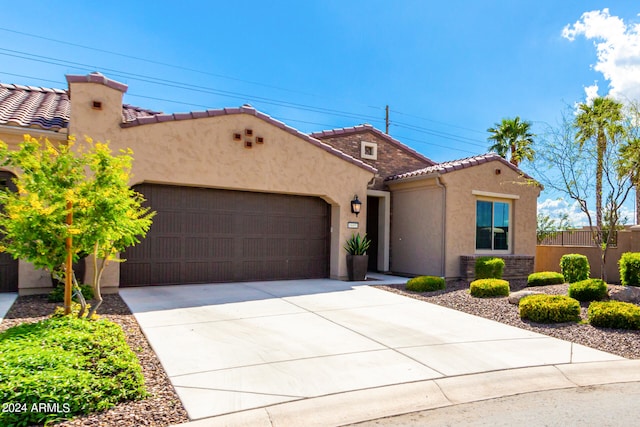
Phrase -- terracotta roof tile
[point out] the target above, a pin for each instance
(454, 165)
(46, 108)
(28, 106)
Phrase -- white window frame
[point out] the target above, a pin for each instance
(509, 202)
(363, 150)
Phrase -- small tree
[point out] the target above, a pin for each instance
(570, 166)
(108, 215)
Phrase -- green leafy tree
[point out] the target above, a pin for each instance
(600, 123)
(629, 164)
(108, 216)
(549, 227)
(513, 137)
(567, 166)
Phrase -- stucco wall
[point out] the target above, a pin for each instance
(548, 257)
(416, 206)
(202, 152)
(461, 209)
(416, 232)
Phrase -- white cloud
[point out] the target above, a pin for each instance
(618, 51)
(556, 208)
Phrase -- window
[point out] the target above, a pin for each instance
(369, 150)
(492, 225)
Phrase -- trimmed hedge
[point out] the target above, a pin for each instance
(614, 314)
(545, 278)
(549, 308)
(574, 267)
(489, 268)
(629, 265)
(74, 365)
(484, 288)
(588, 290)
(426, 284)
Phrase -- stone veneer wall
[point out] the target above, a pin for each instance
(516, 266)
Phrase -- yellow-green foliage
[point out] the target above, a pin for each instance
(545, 278)
(630, 268)
(484, 288)
(588, 290)
(425, 284)
(489, 268)
(549, 308)
(575, 267)
(614, 314)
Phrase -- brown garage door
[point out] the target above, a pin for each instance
(204, 235)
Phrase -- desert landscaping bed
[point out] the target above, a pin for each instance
(162, 408)
(625, 343)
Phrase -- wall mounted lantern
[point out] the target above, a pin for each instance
(356, 205)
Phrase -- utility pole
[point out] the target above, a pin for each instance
(386, 120)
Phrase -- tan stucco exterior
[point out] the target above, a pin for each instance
(202, 152)
(463, 188)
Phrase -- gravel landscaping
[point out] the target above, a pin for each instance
(163, 408)
(624, 343)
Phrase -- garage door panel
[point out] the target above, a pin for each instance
(207, 235)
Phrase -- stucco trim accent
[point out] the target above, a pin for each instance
(495, 195)
(96, 77)
(60, 134)
(249, 110)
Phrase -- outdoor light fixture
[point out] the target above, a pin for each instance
(356, 205)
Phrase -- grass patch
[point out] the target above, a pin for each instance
(62, 367)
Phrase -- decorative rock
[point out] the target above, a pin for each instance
(515, 297)
(625, 294)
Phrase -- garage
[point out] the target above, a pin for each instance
(203, 235)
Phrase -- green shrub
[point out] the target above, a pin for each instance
(549, 308)
(614, 314)
(426, 284)
(484, 288)
(630, 268)
(574, 267)
(82, 366)
(57, 294)
(588, 290)
(545, 278)
(489, 268)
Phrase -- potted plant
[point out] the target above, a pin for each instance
(357, 258)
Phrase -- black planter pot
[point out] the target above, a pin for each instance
(357, 267)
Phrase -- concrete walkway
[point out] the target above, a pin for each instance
(325, 352)
(6, 301)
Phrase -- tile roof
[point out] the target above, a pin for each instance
(369, 128)
(45, 108)
(247, 109)
(454, 165)
(29, 106)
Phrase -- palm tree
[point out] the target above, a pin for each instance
(630, 165)
(601, 120)
(512, 136)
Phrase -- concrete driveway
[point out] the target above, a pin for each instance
(330, 352)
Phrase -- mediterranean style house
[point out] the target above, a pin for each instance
(241, 196)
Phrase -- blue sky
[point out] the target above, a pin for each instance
(447, 70)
